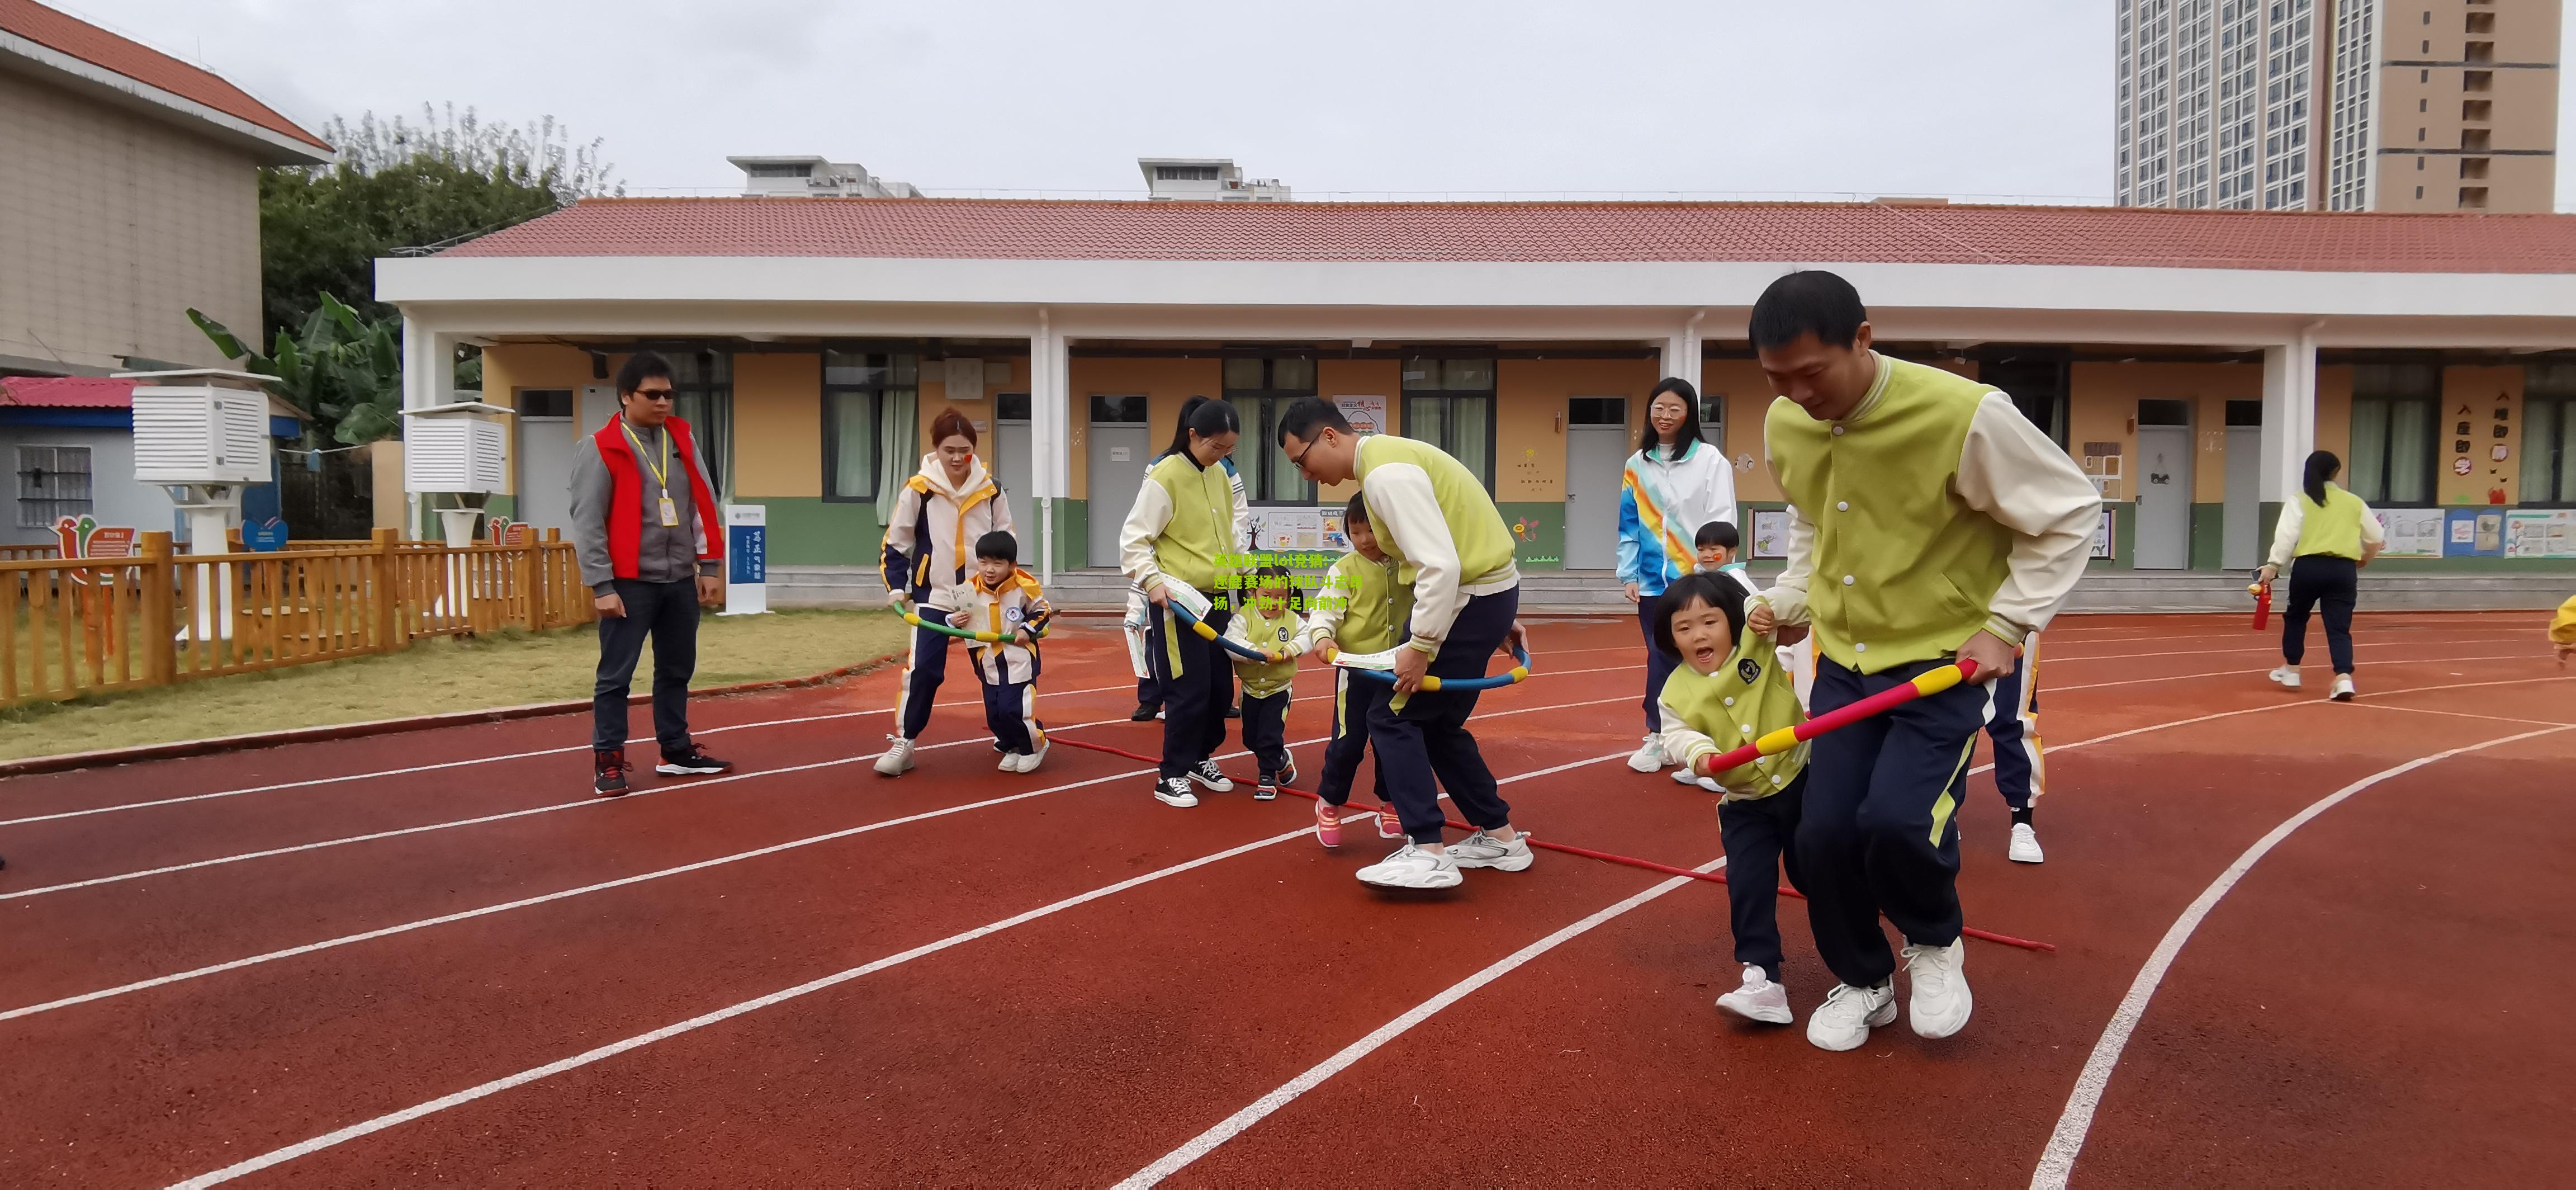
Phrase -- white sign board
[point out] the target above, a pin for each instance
(746, 559)
(2412, 532)
(1366, 414)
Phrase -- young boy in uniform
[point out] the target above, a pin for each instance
(1430, 513)
(1005, 599)
(1265, 623)
(1930, 522)
(1730, 686)
(1717, 542)
(1362, 608)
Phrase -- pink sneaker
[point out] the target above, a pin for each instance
(1388, 825)
(1328, 824)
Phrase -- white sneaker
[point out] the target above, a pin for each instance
(1649, 756)
(2025, 845)
(1030, 761)
(1010, 762)
(1211, 776)
(2343, 690)
(1710, 784)
(1760, 999)
(1683, 776)
(1412, 867)
(1941, 1002)
(1174, 791)
(2287, 676)
(1844, 1020)
(1481, 850)
(897, 759)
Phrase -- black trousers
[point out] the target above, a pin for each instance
(1197, 677)
(1265, 731)
(1426, 748)
(923, 670)
(1878, 832)
(1149, 693)
(1759, 835)
(1011, 713)
(2016, 738)
(1659, 664)
(668, 613)
(1353, 699)
(2334, 582)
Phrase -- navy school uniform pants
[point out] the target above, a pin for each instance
(1878, 833)
(1659, 664)
(1759, 834)
(1011, 708)
(1353, 699)
(1197, 678)
(668, 613)
(2015, 730)
(1425, 747)
(1265, 731)
(2321, 579)
(923, 670)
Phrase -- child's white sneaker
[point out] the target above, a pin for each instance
(1481, 850)
(1844, 1020)
(1759, 999)
(897, 758)
(1941, 1001)
(1029, 761)
(1412, 867)
(2343, 688)
(1010, 762)
(2287, 676)
(1649, 756)
(2025, 845)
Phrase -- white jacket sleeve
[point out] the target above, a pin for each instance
(1405, 510)
(2285, 536)
(2372, 532)
(1682, 745)
(1325, 610)
(1144, 527)
(1002, 522)
(1721, 498)
(1242, 512)
(2010, 471)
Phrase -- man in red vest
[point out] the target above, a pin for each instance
(644, 520)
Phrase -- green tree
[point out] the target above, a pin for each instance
(399, 185)
(344, 370)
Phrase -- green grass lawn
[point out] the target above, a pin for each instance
(436, 675)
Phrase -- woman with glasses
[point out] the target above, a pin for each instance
(1674, 485)
(929, 550)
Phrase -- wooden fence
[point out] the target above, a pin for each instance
(70, 627)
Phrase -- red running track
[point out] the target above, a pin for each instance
(2364, 1005)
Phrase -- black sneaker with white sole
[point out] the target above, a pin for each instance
(608, 772)
(1174, 791)
(1267, 789)
(693, 763)
(1146, 712)
(1213, 777)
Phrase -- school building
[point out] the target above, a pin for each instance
(2189, 359)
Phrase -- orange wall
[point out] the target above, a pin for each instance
(2485, 391)
(1360, 378)
(1529, 417)
(1748, 400)
(2334, 410)
(509, 367)
(1166, 383)
(2105, 400)
(778, 425)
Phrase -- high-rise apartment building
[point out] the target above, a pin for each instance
(2346, 105)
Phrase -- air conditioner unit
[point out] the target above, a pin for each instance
(463, 448)
(200, 426)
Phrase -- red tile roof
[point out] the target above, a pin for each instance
(1541, 231)
(98, 47)
(66, 392)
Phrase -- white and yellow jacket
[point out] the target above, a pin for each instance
(1014, 604)
(930, 534)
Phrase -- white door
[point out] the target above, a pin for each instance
(598, 404)
(2240, 548)
(1120, 448)
(2164, 498)
(1011, 471)
(1595, 455)
(545, 473)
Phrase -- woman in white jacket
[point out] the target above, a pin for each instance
(1674, 484)
(929, 554)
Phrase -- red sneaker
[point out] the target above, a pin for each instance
(1328, 823)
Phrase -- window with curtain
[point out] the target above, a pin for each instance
(1449, 403)
(2549, 434)
(861, 391)
(702, 395)
(2395, 419)
(1260, 391)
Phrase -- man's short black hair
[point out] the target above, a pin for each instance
(998, 544)
(1357, 510)
(1717, 533)
(1725, 595)
(1808, 302)
(1308, 417)
(640, 367)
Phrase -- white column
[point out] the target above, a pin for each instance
(1682, 350)
(1050, 437)
(428, 379)
(2289, 413)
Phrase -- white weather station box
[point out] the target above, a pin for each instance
(201, 427)
(461, 448)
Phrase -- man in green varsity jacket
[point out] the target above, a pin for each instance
(1930, 522)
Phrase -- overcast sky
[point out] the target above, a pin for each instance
(1958, 97)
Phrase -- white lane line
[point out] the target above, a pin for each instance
(380, 1123)
(452, 764)
(701, 865)
(2390, 706)
(219, 861)
(2225, 673)
(2057, 1161)
(1286, 1093)
(2274, 648)
(594, 800)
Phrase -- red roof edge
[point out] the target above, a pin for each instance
(66, 34)
(66, 392)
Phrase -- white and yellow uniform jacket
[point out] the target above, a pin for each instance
(1748, 697)
(931, 532)
(1014, 604)
(1267, 628)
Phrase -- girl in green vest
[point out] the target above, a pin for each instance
(1189, 521)
(2332, 534)
(1730, 687)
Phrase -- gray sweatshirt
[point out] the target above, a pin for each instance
(664, 553)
